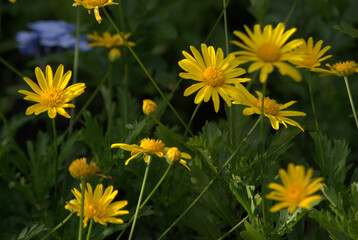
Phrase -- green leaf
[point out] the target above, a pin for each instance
(353, 32)
(27, 233)
(251, 233)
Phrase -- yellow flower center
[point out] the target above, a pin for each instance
(345, 68)
(269, 52)
(94, 209)
(51, 97)
(81, 170)
(152, 145)
(96, 2)
(213, 76)
(270, 106)
(294, 195)
(310, 60)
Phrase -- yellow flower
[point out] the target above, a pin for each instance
(98, 205)
(214, 73)
(341, 69)
(81, 170)
(268, 49)
(108, 40)
(114, 54)
(147, 147)
(272, 109)
(94, 4)
(174, 155)
(313, 55)
(296, 190)
(51, 94)
(149, 107)
(12, 1)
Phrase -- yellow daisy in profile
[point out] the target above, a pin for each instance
(108, 41)
(81, 170)
(268, 49)
(51, 94)
(174, 155)
(341, 69)
(313, 54)
(147, 147)
(98, 205)
(273, 110)
(94, 4)
(214, 73)
(297, 189)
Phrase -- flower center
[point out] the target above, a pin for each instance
(213, 76)
(96, 2)
(345, 68)
(294, 194)
(310, 60)
(51, 97)
(270, 106)
(269, 52)
(94, 209)
(152, 145)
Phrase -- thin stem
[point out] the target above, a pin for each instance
(145, 70)
(207, 186)
(232, 229)
(316, 120)
(140, 196)
(147, 199)
(80, 227)
(75, 62)
(216, 23)
(58, 226)
(56, 154)
(290, 12)
(351, 101)
(12, 68)
(192, 118)
(89, 230)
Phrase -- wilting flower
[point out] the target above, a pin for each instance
(81, 170)
(268, 49)
(214, 73)
(147, 147)
(51, 94)
(98, 205)
(174, 155)
(273, 110)
(149, 107)
(94, 4)
(312, 55)
(297, 189)
(48, 36)
(341, 69)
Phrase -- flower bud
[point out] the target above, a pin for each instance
(149, 107)
(81, 170)
(113, 54)
(173, 155)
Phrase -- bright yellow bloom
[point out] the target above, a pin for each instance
(94, 4)
(81, 170)
(147, 147)
(214, 73)
(12, 1)
(272, 109)
(268, 49)
(341, 69)
(98, 205)
(296, 190)
(174, 155)
(51, 94)
(109, 41)
(149, 107)
(313, 55)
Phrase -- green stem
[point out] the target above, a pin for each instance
(89, 230)
(56, 154)
(80, 227)
(147, 199)
(12, 68)
(316, 120)
(75, 62)
(290, 12)
(58, 226)
(351, 101)
(216, 23)
(232, 229)
(192, 118)
(145, 70)
(140, 197)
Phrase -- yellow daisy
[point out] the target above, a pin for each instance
(149, 107)
(81, 170)
(147, 147)
(268, 49)
(51, 94)
(313, 54)
(341, 69)
(273, 110)
(296, 190)
(214, 73)
(174, 155)
(94, 4)
(98, 205)
(108, 41)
